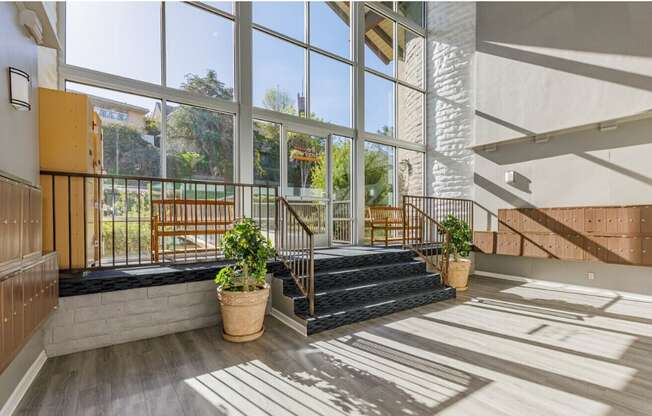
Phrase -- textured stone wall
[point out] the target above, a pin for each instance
(92, 321)
(450, 51)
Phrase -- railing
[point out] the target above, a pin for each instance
(107, 221)
(439, 208)
(342, 222)
(312, 213)
(295, 247)
(427, 237)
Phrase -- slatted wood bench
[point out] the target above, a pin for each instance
(189, 217)
(391, 224)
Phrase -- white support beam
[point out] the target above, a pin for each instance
(244, 148)
(358, 125)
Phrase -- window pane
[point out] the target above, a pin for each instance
(379, 42)
(378, 174)
(330, 26)
(278, 74)
(410, 172)
(410, 57)
(131, 128)
(267, 158)
(379, 105)
(412, 10)
(199, 143)
(342, 174)
(341, 149)
(330, 90)
(286, 17)
(226, 6)
(206, 68)
(118, 38)
(306, 165)
(410, 115)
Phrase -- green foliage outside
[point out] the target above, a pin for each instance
(135, 155)
(378, 176)
(250, 249)
(461, 238)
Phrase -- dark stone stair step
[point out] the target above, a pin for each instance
(344, 262)
(367, 293)
(330, 319)
(341, 278)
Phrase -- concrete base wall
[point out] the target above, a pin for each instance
(615, 277)
(92, 321)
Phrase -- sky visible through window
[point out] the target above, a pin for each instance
(126, 41)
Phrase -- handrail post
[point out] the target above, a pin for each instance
(312, 276)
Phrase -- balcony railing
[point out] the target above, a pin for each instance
(99, 221)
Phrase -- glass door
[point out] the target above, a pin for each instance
(306, 180)
(341, 176)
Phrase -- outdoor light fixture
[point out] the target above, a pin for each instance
(19, 89)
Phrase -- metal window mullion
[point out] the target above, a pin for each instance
(131, 86)
(393, 15)
(61, 29)
(163, 141)
(306, 35)
(385, 140)
(358, 185)
(163, 47)
(214, 10)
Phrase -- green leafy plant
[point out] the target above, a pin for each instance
(250, 249)
(460, 241)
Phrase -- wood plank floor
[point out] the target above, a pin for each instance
(502, 348)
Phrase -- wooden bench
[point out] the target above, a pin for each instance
(389, 221)
(189, 217)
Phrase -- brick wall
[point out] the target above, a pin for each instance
(92, 321)
(450, 50)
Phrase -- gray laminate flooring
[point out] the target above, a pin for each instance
(502, 348)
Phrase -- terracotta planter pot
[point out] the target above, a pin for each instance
(243, 314)
(458, 274)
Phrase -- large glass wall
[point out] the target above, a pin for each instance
(165, 80)
(160, 134)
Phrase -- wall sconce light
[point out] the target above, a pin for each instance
(510, 177)
(19, 89)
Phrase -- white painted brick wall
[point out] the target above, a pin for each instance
(450, 51)
(92, 321)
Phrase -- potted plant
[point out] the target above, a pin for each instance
(459, 246)
(242, 290)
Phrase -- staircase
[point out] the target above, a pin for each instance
(355, 288)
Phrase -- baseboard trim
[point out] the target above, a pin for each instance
(22, 387)
(594, 290)
(289, 322)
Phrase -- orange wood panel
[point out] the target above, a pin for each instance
(646, 219)
(534, 245)
(611, 217)
(7, 320)
(485, 241)
(629, 221)
(646, 251)
(508, 244)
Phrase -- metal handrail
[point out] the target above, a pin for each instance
(97, 221)
(295, 247)
(432, 234)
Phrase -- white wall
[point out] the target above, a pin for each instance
(18, 129)
(548, 66)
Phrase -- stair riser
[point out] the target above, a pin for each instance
(358, 277)
(371, 294)
(349, 262)
(335, 321)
